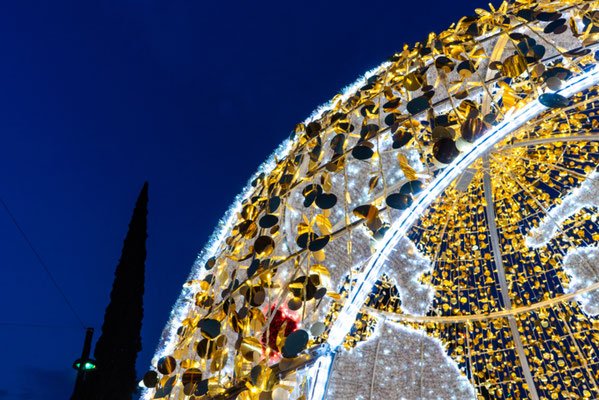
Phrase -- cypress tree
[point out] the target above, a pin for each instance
(116, 350)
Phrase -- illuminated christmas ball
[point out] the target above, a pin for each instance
(431, 234)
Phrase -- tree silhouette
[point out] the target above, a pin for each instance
(116, 350)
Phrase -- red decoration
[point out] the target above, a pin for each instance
(282, 315)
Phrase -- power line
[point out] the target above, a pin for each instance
(42, 263)
(34, 325)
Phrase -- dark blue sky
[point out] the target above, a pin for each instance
(98, 96)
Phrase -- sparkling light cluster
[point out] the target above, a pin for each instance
(398, 363)
(586, 196)
(582, 264)
(407, 266)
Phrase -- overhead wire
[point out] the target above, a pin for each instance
(36, 325)
(43, 264)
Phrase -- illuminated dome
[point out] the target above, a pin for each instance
(430, 234)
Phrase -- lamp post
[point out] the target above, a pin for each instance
(83, 365)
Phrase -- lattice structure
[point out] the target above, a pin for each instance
(430, 234)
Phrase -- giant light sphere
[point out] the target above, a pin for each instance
(429, 234)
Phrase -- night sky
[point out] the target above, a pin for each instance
(97, 97)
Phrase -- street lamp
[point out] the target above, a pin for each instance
(83, 365)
